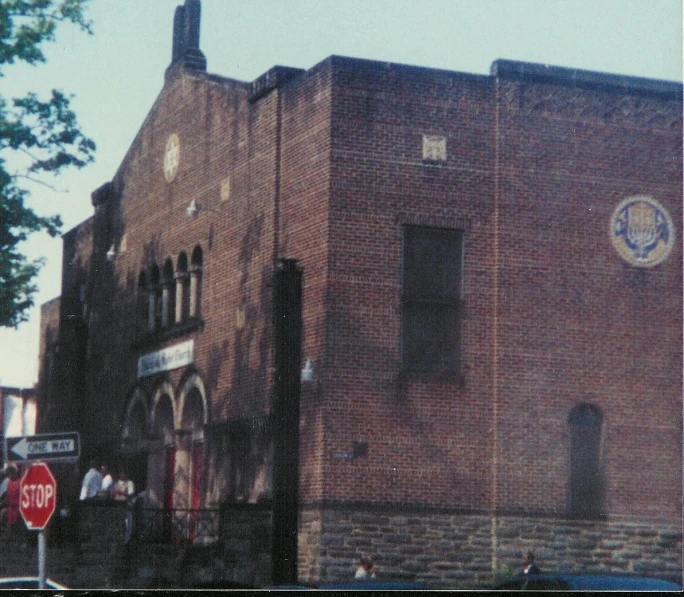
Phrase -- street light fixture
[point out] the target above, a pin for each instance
(193, 209)
(308, 372)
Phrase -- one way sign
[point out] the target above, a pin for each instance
(47, 447)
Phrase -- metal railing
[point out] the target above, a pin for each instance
(179, 526)
(139, 523)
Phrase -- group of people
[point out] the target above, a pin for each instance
(98, 482)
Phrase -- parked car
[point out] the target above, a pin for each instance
(29, 582)
(372, 585)
(355, 585)
(586, 582)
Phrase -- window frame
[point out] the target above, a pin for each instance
(586, 499)
(451, 303)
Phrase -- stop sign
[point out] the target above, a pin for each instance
(38, 496)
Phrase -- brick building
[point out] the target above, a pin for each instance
(492, 313)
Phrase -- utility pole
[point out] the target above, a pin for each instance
(285, 413)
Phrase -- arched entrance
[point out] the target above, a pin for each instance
(161, 463)
(134, 441)
(190, 455)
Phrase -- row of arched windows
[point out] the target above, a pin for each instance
(170, 295)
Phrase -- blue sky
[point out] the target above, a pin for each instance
(117, 73)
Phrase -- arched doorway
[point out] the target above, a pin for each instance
(190, 455)
(161, 464)
(135, 440)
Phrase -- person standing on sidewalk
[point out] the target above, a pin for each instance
(107, 482)
(92, 482)
(529, 567)
(365, 570)
(12, 498)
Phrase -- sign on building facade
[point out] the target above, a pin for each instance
(167, 359)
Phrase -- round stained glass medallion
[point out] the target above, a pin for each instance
(171, 157)
(641, 231)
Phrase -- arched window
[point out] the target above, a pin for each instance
(134, 440)
(154, 300)
(135, 427)
(142, 302)
(182, 288)
(195, 282)
(168, 295)
(585, 496)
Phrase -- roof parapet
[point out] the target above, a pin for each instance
(271, 79)
(102, 194)
(571, 77)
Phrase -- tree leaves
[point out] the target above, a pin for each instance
(26, 24)
(39, 137)
(47, 132)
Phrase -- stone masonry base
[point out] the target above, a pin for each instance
(443, 549)
(450, 550)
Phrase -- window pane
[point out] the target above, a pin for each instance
(431, 294)
(585, 497)
(432, 263)
(431, 337)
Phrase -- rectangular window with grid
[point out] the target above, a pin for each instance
(431, 300)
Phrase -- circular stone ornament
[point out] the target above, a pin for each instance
(642, 231)
(171, 157)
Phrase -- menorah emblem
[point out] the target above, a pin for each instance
(642, 234)
(642, 231)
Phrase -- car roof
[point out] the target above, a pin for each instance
(585, 582)
(28, 582)
(625, 583)
(356, 585)
(375, 585)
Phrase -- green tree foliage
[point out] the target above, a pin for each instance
(38, 139)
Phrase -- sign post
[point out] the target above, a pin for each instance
(38, 500)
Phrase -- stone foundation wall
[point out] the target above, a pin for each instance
(650, 548)
(442, 549)
(309, 544)
(245, 546)
(439, 549)
(451, 550)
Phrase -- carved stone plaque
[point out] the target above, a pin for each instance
(434, 148)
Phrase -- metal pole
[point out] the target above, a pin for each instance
(42, 556)
(285, 412)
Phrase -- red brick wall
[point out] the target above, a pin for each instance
(221, 136)
(576, 322)
(67, 398)
(304, 235)
(429, 440)
(327, 169)
(569, 325)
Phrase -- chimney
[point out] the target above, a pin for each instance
(186, 33)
